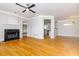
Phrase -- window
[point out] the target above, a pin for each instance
(67, 24)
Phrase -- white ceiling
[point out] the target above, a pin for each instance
(59, 10)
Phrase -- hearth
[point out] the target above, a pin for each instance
(11, 34)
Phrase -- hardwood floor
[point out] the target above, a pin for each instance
(60, 46)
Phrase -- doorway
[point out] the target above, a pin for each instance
(47, 28)
(24, 29)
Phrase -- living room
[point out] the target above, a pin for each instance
(39, 29)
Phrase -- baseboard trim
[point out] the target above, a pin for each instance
(35, 37)
(67, 36)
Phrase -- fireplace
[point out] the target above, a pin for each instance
(11, 34)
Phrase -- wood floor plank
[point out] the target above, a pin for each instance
(27, 46)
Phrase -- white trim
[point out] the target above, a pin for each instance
(35, 37)
(68, 35)
(10, 13)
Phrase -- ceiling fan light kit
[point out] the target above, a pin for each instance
(27, 8)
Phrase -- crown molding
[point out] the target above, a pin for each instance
(10, 13)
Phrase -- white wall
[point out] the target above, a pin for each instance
(68, 30)
(35, 26)
(9, 22)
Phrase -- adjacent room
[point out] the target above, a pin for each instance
(39, 29)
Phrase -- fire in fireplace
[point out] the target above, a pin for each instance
(11, 34)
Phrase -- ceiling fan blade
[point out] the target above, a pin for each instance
(20, 5)
(32, 11)
(24, 11)
(31, 6)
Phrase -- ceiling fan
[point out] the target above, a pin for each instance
(27, 7)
